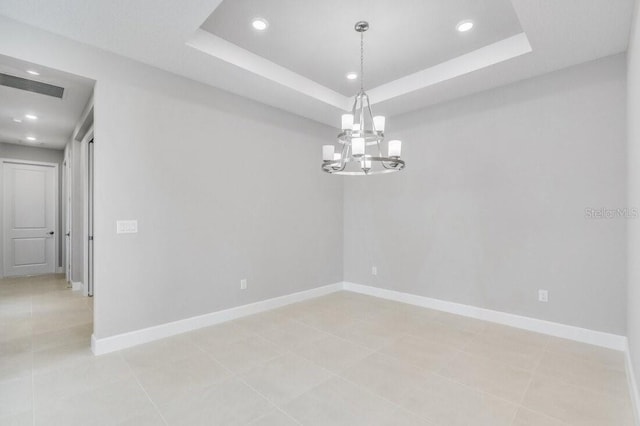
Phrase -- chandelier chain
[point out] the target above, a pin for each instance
(362, 61)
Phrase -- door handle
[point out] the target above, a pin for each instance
(68, 234)
(50, 233)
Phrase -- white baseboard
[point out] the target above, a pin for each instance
(598, 338)
(633, 385)
(59, 270)
(75, 286)
(137, 337)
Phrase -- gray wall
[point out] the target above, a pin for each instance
(28, 153)
(492, 204)
(633, 129)
(222, 188)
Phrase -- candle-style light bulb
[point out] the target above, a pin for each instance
(378, 123)
(327, 152)
(357, 146)
(347, 121)
(395, 147)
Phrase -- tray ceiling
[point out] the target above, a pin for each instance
(414, 58)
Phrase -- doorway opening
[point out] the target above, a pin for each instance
(46, 206)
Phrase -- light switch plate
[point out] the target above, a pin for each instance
(126, 226)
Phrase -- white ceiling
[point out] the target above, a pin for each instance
(406, 36)
(547, 35)
(57, 118)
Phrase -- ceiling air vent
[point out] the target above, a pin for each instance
(31, 86)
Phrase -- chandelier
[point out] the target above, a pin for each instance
(359, 151)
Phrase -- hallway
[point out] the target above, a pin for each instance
(44, 326)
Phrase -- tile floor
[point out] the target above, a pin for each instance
(342, 359)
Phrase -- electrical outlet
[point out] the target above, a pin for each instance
(543, 296)
(374, 270)
(243, 284)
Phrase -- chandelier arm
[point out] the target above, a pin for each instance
(345, 155)
(373, 124)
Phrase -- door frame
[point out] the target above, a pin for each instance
(56, 234)
(87, 225)
(66, 204)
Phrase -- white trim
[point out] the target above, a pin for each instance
(137, 337)
(633, 386)
(500, 51)
(597, 338)
(76, 285)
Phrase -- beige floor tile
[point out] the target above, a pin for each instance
(576, 405)
(275, 418)
(21, 419)
(518, 335)
(385, 376)
(159, 353)
(80, 334)
(60, 356)
(445, 402)
(61, 320)
(422, 353)
(404, 418)
(16, 346)
(442, 334)
(373, 335)
(16, 396)
(245, 354)
(15, 328)
(291, 333)
(181, 377)
(506, 349)
(332, 353)
(285, 377)
(105, 405)
(147, 417)
(16, 359)
(259, 322)
(328, 320)
(401, 319)
(594, 375)
(230, 402)
(15, 308)
(460, 322)
(79, 377)
(383, 351)
(488, 376)
(526, 417)
(609, 357)
(214, 337)
(338, 402)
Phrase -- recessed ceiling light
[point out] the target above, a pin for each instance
(464, 26)
(260, 24)
(352, 75)
(33, 72)
(31, 116)
(31, 138)
(17, 120)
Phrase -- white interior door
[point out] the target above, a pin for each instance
(29, 218)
